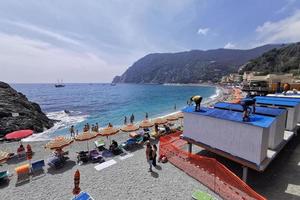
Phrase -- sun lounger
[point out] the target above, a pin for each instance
(100, 144)
(4, 176)
(200, 195)
(95, 156)
(22, 173)
(83, 196)
(37, 167)
(57, 162)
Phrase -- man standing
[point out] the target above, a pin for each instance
(149, 155)
(72, 131)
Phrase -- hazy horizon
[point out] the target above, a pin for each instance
(92, 41)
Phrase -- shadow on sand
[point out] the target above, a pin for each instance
(69, 165)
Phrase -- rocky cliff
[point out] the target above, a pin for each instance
(17, 113)
(189, 67)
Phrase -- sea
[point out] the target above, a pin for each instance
(104, 103)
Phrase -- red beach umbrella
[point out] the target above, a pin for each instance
(16, 135)
(76, 189)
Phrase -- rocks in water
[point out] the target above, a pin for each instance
(17, 113)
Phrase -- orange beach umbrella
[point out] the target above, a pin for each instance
(160, 121)
(76, 189)
(59, 143)
(86, 136)
(129, 128)
(108, 131)
(146, 124)
(3, 156)
(173, 117)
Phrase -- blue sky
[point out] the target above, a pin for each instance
(94, 40)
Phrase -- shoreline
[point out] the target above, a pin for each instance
(219, 95)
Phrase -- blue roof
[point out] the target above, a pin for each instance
(255, 120)
(258, 110)
(267, 101)
(278, 98)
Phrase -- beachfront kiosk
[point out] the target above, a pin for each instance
(292, 107)
(276, 133)
(225, 133)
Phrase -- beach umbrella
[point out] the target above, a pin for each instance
(108, 131)
(129, 128)
(76, 189)
(3, 156)
(173, 117)
(86, 136)
(59, 143)
(159, 121)
(16, 135)
(146, 124)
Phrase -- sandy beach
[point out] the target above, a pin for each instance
(127, 179)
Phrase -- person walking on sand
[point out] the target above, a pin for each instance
(154, 155)
(72, 131)
(97, 127)
(149, 155)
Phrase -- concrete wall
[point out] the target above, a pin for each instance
(277, 131)
(239, 139)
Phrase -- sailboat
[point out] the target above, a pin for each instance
(59, 84)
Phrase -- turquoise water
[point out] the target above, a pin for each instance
(104, 103)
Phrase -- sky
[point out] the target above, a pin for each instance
(86, 41)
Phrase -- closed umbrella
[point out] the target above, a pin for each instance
(59, 143)
(86, 136)
(76, 189)
(28, 153)
(146, 124)
(3, 156)
(17, 135)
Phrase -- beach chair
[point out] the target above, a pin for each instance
(83, 196)
(37, 167)
(57, 162)
(4, 176)
(21, 155)
(200, 195)
(22, 173)
(100, 144)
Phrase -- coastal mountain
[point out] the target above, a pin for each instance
(189, 67)
(17, 113)
(280, 60)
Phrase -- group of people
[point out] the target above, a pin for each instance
(166, 127)
(151, 155)
(86, 128)
(131, 119)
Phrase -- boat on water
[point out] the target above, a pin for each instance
(113, 84)
(59, 84)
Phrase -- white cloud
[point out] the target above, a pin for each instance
(34, 61)
(229, 45)
(289, 4)
(203, 31)
(285, 30)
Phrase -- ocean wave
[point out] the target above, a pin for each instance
(65, 120)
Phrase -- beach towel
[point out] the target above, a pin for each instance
(83, 196)
(105, 165)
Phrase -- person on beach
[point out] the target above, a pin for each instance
(88, 127)
(149, 155)
(146, 116)
(197, 99)
(154, 155)
(156, 128)
(97, 127)
(72, 131)
(110, 125)
(125, 120)
(132, 118)
(77, 132)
